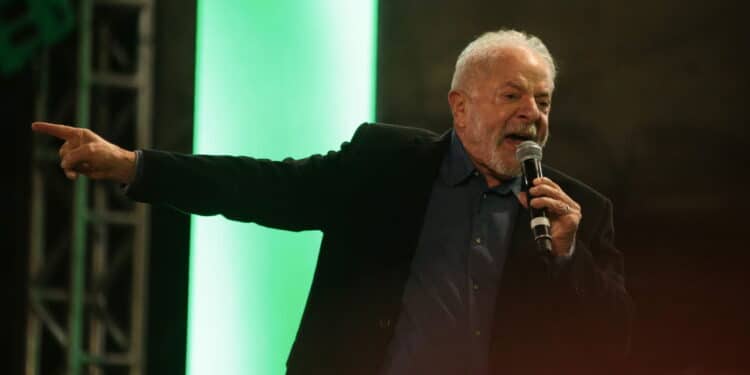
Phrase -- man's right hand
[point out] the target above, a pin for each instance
(86, 153)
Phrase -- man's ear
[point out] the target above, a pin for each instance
(457, 102)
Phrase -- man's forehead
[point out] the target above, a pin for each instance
(514, 60)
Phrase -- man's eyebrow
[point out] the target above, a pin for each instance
(514, 85)
(520, 87)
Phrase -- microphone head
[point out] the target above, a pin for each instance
(528, 150)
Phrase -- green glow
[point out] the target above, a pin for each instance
(273, 79)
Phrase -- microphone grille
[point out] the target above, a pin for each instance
(528, 150)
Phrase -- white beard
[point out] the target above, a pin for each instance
(495, 163)
(502, 169)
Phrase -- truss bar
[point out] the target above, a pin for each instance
(99, 264)
(48, 319)
(36, 226)
(80, 199)
(143, 140)
(114, 217)
(117, 333)
(95, 227)
(134, 3)
(114, 80)
(52, 294)
(111, 359)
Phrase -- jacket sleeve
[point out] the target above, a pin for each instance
(290, 194)
(595, 275)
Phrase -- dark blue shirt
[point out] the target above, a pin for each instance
(449, 299)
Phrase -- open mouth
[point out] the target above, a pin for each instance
(518, 138)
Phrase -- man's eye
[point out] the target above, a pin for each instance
(510, 96)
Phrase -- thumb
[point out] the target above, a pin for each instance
(78, 160)
(70, 174)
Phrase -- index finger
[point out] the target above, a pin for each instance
(64, 132)
(546, 180)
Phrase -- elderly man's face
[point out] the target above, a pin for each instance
(501, 107)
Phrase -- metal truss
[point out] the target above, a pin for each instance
(88, 260)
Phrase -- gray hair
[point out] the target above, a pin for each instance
(482, 48)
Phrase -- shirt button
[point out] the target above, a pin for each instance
(476, 173)
(477, 333)
(475, 286)
(484, 195)
(477, 240)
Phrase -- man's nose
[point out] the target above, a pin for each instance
(529, 109)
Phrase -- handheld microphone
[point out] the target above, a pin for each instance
(529, 154)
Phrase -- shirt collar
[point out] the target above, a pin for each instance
(457, 168)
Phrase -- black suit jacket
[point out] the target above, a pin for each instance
(369, 200)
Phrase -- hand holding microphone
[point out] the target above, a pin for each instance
(554, 215)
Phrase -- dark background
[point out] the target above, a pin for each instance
(649, 109)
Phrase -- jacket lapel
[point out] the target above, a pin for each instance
(420, 173)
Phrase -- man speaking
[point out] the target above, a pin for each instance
(428, 264)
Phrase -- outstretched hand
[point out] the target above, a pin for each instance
(564, 213)
(84, 152)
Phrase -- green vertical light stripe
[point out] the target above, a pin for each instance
(273, 79)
